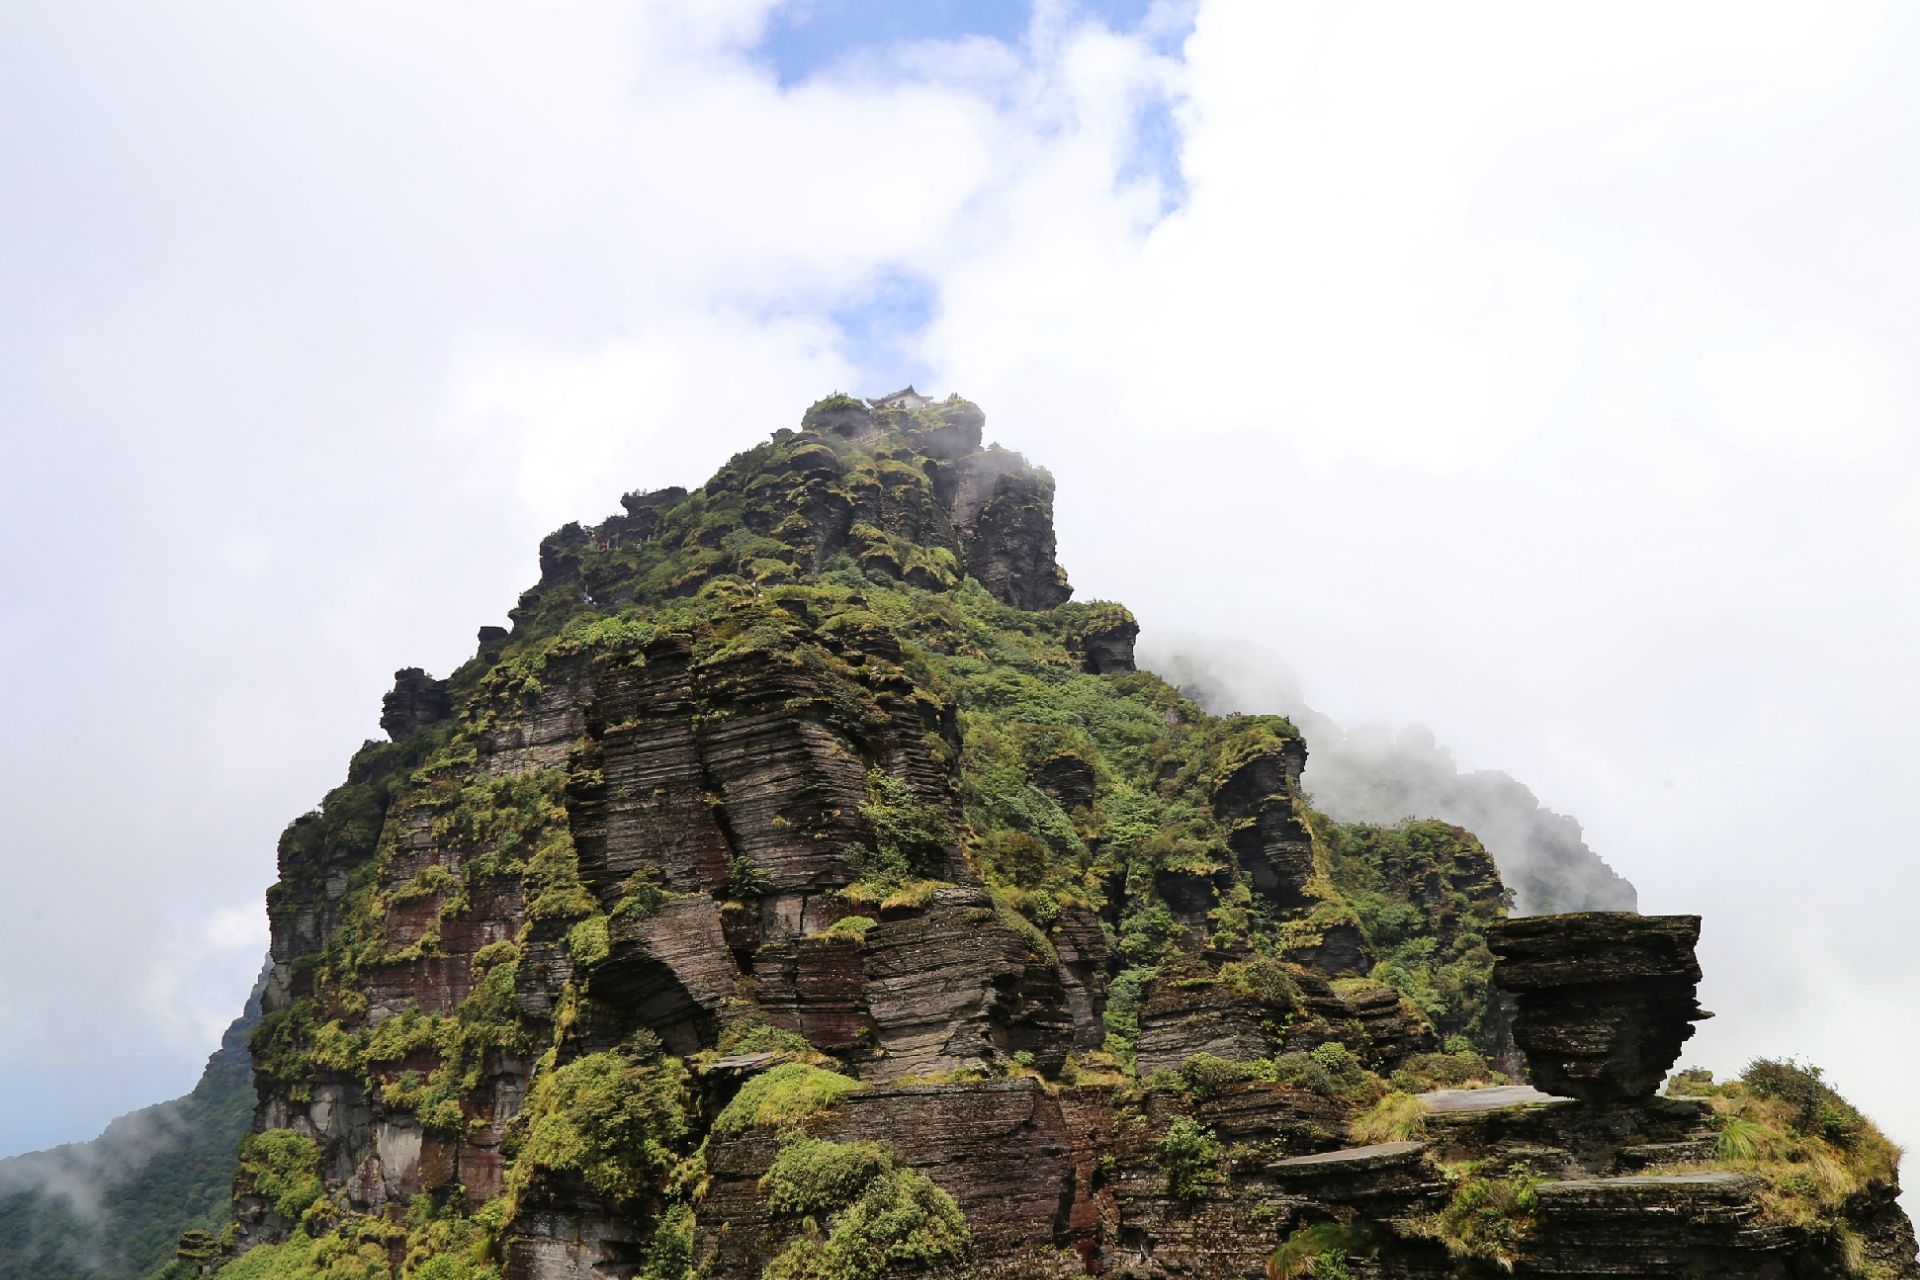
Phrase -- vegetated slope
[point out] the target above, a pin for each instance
(804, 887)
(113, 1208)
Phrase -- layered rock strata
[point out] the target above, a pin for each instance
(1605, 999)
(805, 887)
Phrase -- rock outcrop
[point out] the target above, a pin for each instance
(416, 701)
(1605, 999)
(803, 887)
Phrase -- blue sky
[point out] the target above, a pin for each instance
(881, 324)
(811, 35)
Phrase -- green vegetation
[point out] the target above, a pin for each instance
(747, 878)
(1190, 1157)
(1460, 1067)
(670, 1255)
(1122, 1017)
(1490, 1213)
(1397, 1117)
(433, 1244)
(1330, 1070)
(283, 1168)
(910, 837)
(853, 928)
(1424, 894)
(778, 1097)
(618, 1119)
(1784, 1123)
(755, 1034)
(1321, 1251)
(861, 1215)
(812, 1176)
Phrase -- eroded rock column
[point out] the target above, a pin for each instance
(1605, 998)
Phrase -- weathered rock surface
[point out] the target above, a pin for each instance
(810, 782)
(1266, 835)
(1605, 999)
(1699, 1223)
(415, 701)
(1105, 643)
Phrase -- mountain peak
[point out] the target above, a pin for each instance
(806, 889)
(901, 488)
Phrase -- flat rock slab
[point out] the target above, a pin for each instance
(1464, 1101)
(1375, 1156)
(1644, 1187)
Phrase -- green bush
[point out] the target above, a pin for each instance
(851, 927)
(1489, 1217)
(1190, 1157)
(670, 1253)
(1817, 1110)
(1122, 1016)
(746, 878)
(754, 1034)
(900, 1220)
(778, 1097)
(589, 942)
(1330, 1069)
(1321, 1251)
(910, 837)
(811, 1176)
(1204, 1075)
(616, 1120)
(641, 894)
(1262, 979)
(1395, 1118)
(283, 1167)
(1424, 1071)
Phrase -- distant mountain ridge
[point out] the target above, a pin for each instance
(113, 1208)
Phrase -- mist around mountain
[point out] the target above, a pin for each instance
(114, 1208)
(1388, 776)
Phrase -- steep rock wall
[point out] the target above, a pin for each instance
(804, 887)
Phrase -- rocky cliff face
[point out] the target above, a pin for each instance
(803, 887)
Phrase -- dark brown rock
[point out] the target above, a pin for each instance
(1084, 961)
(957, 986)
(1003, 508)
(1675, 1225)
(1605, 999)
(839, 415)
(1105, 644)
(1257, 802)
(1182, 1017)
(951, 429)
(1068, 779)
(998, 1147)
(415, 701)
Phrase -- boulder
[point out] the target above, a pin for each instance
(1604, 999)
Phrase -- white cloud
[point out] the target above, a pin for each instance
(1532, 373)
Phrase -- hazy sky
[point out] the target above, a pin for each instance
(1538, 373)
